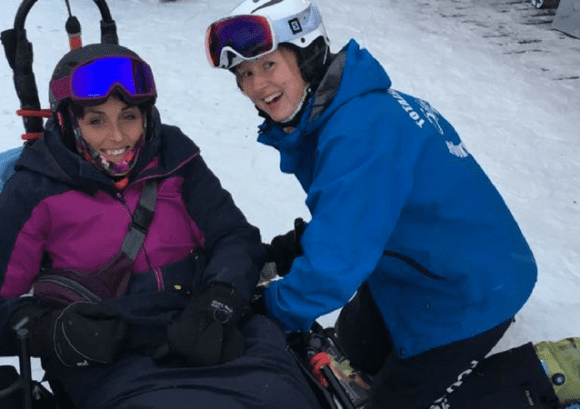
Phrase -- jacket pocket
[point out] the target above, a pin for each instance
(64, 286)
(62, 290)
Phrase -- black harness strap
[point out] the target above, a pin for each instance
(110, 280)
(141, 221)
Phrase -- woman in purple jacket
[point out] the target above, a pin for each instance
(128, 262)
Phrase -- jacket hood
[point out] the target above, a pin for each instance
(353, 72)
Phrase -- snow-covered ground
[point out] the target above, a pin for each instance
(508, 83)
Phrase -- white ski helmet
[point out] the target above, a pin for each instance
(295, 22)
(302, 18)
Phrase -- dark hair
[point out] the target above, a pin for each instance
(313, 60)
(78, 110)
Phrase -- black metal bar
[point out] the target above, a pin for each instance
(108, 26)
(22, 13)
(104, 9)
(21, 57)
(25, 368)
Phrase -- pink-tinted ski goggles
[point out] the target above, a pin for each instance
(239, 38)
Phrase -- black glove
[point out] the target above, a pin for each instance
(81, 334)
(208, 331)
(258, 303)
(286, 247)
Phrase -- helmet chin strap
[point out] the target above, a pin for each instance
(303, 99)
(89, 154)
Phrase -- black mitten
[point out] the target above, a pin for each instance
(208, 332)
(286, 247)
(81, 334)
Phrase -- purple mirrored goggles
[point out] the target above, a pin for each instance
(93, 81)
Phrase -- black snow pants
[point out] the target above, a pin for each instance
(454, 376)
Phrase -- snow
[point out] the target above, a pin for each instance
(507, 82)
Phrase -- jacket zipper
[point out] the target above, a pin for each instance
(413, 264)
(159, 278)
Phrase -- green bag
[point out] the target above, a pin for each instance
(561, 361)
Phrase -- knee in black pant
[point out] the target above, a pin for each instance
(362, 334)
(512, 379)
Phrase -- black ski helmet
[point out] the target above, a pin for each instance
(79, 56)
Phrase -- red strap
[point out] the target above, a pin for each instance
(122, 184)
(31, 136)
(318, 361)
(40, 113)
(33, 113)
(75, 41)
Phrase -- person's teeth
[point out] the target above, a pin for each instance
(271, 98)
(115, 152)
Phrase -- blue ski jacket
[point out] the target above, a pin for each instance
(396, 201)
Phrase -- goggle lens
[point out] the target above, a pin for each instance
(95, 80)
(98, 78)
(249, 36)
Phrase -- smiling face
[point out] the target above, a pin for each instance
(112, 128)
(273, 83)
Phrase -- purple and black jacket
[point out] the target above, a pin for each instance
(59, 211)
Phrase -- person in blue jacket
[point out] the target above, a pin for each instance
(402, 215)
